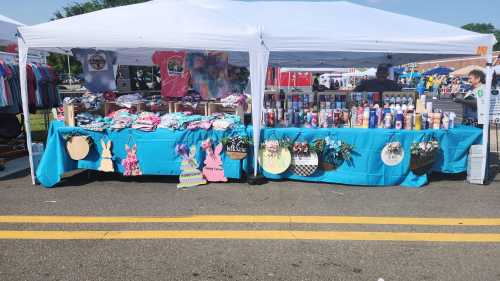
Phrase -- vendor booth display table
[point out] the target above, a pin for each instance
(155, 151)
(367, 168)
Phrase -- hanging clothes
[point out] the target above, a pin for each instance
(41, 86)
(3, 94)
(31, 80)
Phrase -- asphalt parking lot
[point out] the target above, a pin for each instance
(87, 229)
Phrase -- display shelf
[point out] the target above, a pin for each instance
(201, 108)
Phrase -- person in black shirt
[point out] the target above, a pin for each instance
(379, 84)
(315, 86)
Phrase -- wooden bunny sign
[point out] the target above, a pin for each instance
(213, 170)
(106, 157)
(190, 175)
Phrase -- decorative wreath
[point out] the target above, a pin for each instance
(334, 152)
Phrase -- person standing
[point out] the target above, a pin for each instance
(469, 101)
(379, 84)
(430, 82)
(315, 86)
(455, 88)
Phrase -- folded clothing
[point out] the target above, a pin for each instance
(129, 100)
(234, 101)
(92, 122)
(98, 126)
(225, 121)
(146, 121)
(85, 118)
(122, 119)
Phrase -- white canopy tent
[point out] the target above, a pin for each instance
(324, 30)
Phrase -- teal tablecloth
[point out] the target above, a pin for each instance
(368, 168)
(155, 151)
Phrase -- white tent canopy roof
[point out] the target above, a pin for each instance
(8, 30)
(135, 31)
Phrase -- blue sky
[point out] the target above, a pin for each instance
(454, 12)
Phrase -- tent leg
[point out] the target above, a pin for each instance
(23, 58)
(486, 120)
(259, 59)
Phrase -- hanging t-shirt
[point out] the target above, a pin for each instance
(98, 69)
(209, 74)
(174, 74)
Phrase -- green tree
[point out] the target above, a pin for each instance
(60, 62)
(486, 28)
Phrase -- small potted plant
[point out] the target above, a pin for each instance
(236, 147)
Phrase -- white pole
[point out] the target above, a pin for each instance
(259, 59)
(288, 84)
(487, 109)
(69, 71)
(23, 57)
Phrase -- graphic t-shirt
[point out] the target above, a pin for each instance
(209, 75)
(98, 69)
(174, 73)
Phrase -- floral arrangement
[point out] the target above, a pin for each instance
(300, 148)
(424, 149)
(394, 148)
(335, 152)
(236, 143)
(423, 156)
(305, 148)
(272, 146)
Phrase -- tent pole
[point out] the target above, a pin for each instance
(69, 71)
(23, 57)
(486, 119)
(259, 59)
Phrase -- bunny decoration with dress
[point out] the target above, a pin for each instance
(213, 170)
(131, 163)
(190, 175)
(106, 157)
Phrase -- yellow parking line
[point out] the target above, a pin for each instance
(255, 235)
(257, 219)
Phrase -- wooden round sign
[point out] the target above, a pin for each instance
(275, 163)
(78, 147)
